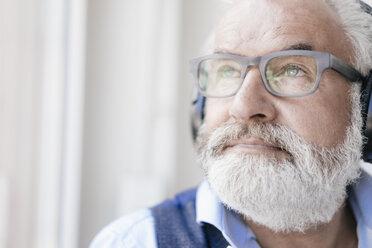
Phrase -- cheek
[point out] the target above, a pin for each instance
(321, 122)
(216, 112)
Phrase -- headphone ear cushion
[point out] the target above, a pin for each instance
(366, 103)
(367, 116)
(197, 115)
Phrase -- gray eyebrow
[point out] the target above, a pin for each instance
(221, 51)
(299, 46)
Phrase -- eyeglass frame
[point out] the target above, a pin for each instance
(324, 61)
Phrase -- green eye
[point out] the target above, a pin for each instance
(228, 72)
(292, 71)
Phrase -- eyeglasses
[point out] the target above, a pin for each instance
(291, 73)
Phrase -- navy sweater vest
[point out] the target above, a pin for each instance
(176, 226)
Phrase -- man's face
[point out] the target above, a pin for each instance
(258, 27)
(282, 162)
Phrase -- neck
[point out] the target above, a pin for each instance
(339, 232)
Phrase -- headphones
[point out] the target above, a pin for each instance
(197, 110)
(366, 103)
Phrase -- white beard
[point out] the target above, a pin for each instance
(285, 195)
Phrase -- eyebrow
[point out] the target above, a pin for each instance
(299, 46)
(220, 51)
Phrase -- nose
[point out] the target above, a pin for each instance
(253, 101)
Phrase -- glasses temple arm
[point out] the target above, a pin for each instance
(344, 69)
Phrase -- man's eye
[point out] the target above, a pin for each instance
(228, 72)
(293, 71)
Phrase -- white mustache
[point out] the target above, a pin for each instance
(273, 134)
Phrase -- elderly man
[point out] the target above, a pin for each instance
(281, 138)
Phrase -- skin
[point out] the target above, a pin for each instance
(258, 27)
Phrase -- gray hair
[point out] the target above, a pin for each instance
(357, 25)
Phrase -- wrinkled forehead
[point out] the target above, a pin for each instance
(256, 27)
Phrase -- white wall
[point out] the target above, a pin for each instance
(18, 120)
(33, 77)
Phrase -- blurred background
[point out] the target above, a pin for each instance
(94, 112)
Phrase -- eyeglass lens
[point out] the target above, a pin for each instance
(285, 75)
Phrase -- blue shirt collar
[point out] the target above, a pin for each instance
(361, 198)
(210, 210)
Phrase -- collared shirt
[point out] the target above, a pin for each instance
(138, 229)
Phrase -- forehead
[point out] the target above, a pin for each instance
(257, 27)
